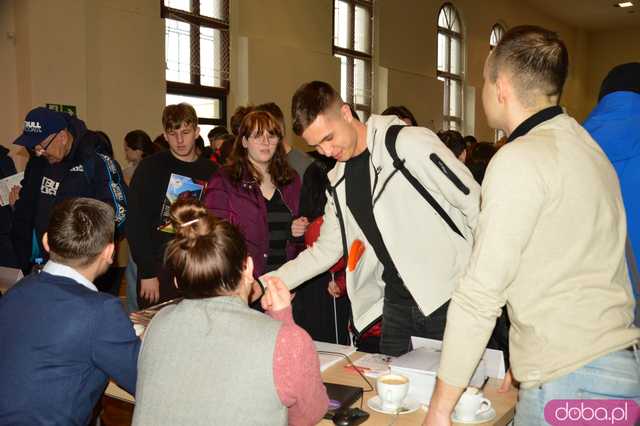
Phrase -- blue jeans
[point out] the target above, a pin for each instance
(131, 276)
(400, 322)
(612, 376)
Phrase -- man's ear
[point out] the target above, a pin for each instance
(45, 242)
(345, 111)
(247, 273)
(107, 253)
(197, 131)
(503, 89)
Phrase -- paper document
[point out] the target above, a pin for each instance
(326, 359)
(493, 359)
(5, 187)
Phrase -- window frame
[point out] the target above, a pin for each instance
(447, 76)
(351, 54)
(194, 88)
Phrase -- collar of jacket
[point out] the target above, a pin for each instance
(377, 126)
(531, 122)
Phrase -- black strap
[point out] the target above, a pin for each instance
(343, 233)
(390, 143)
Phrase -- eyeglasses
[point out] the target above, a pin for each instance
(38, 150)
(269, 138)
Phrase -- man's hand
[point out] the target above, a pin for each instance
(334, 289)
(14, 195)
(150, 289)
(299, 226)
(443, 401)
(507, 382)
(277, 295)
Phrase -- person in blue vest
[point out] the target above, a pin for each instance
(61, 339)
(615, 125)
(64, 163)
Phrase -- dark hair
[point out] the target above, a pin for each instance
(79, 229)
(454, 141)
(310, 100)
(239, 164)
(226, 148)
(173, 116)
(479, 159)
(470, 140)
(313, 195)
(140, 140)
(103, 144)
(237, 117)
(199, 143)
(161, 143)
(536, 58)
(207, 255)
(216, 132)
(273, 109)
(401, 112)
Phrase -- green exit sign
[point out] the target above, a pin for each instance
(69, 109)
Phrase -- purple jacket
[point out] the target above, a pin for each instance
(244, 206)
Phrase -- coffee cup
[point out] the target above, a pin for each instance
(470, 406)
(392, 390)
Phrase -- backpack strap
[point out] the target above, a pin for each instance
(390, 143)
(633, 267)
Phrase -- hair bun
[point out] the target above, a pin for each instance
(191, 220)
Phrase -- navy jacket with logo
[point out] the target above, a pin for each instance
(82, 173)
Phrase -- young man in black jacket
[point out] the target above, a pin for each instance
(64, 164)
(147, 197)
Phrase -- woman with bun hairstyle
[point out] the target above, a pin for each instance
(210, 359)
(260, 193)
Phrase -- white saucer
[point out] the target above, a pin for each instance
(485, 416)
(408, 406)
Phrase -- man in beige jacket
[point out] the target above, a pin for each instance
(549, 244)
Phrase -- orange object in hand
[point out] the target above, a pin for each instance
(355, 253)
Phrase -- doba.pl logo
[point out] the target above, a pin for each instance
(617, 412)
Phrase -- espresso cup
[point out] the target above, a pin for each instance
(471, 405)
(392, 390)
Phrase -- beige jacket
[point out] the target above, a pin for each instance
(550, 244)
(429, 256)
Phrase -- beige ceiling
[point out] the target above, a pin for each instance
(590, 14)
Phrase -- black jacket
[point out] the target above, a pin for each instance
(7, 256)
(82, 173)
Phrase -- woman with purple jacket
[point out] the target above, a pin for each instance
(259, 192)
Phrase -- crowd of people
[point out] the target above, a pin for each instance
(387, 231)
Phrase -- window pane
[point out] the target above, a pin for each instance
(213, 9)
(341, 33)
(363, 30)
(454, 21)
(445, 98)
(205, 107)
(210, 57)
(178, 51)
(179, 4)
(442, 52)
(456, 56)
(362, 115)
(343, 78)
(204, 131)
(454, 98)
(442, 19)
(361, 78)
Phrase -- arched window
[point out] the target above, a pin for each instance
(450, 65)
(496, 34)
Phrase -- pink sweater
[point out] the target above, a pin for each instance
(296, 371)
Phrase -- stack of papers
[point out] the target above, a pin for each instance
(5, 187)
(328, 359)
